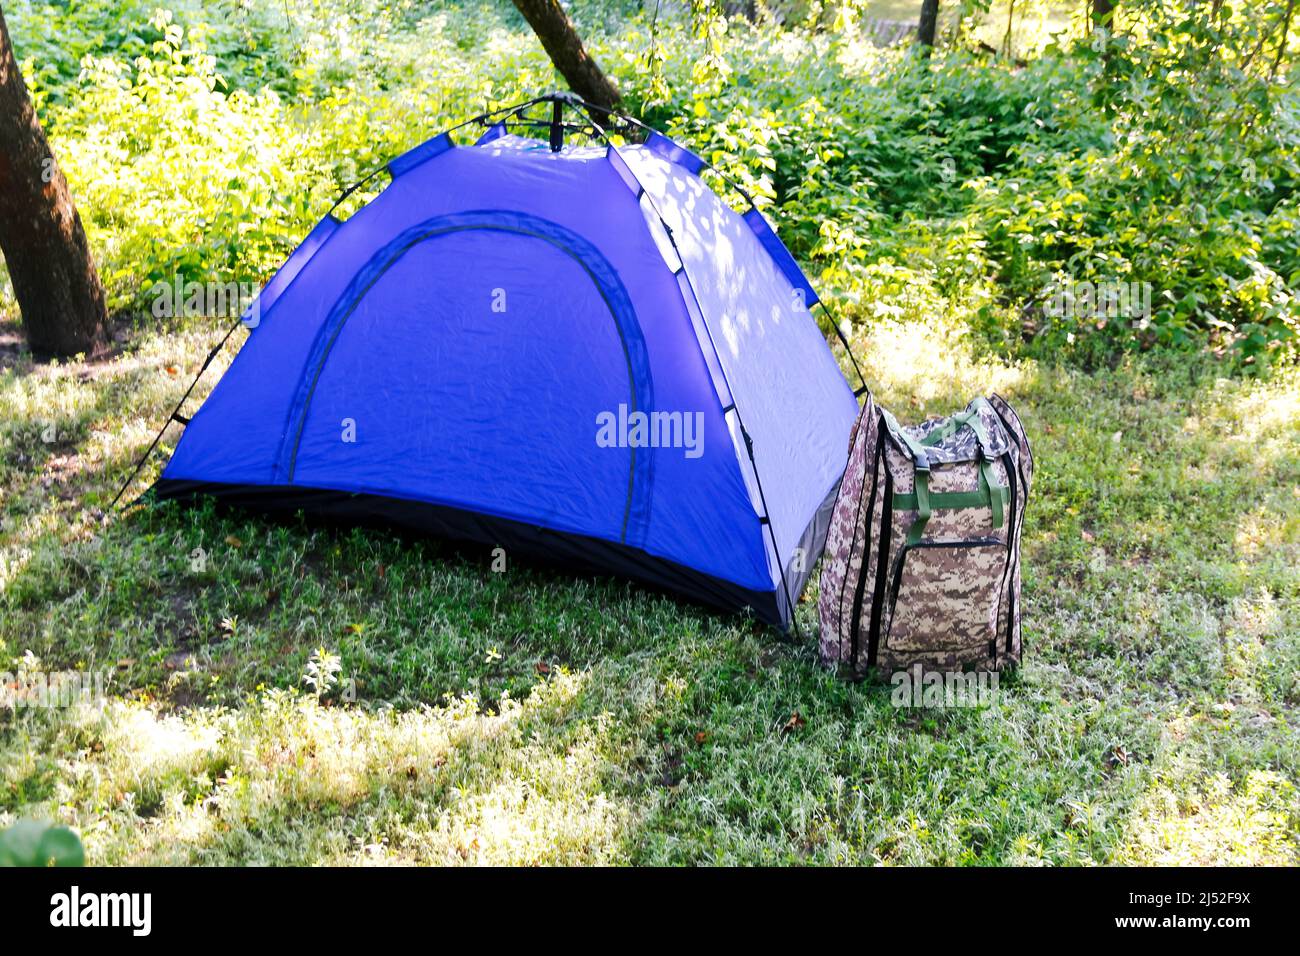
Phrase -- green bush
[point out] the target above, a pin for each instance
(206, 143)
(1189, 188)
(28, 843)
(1159, 161)
(179, 176)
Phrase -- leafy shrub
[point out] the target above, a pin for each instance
(206, 144)
(28, 843)
(1098, 164)
(178, 175)
(1189, 188)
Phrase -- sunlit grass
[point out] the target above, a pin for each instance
(1254, 823)
(591, 721)
(281, 779)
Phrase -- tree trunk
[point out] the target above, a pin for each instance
(1103, 14)
(929, 23)
(1103, 18)
(742, 8)
(563, 45)
(44, 246)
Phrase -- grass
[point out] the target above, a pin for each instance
(530, 717)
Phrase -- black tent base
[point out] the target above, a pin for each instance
(574, 552)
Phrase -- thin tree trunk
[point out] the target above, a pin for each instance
(929, 23)
(1282, 40)
(44, 245)
(1103, 14)
(1103, 18)
(563, 45)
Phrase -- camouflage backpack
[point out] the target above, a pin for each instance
(923, 554)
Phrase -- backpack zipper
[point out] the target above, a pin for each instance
(1018, 512)
(855, 616)
(907, 548)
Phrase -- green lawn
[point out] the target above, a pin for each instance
(530, 717)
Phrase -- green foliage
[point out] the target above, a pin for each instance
(181, 176)
(1096, 163)
(205, 142)
(254, 44)
(1188, 186)
(28, 843)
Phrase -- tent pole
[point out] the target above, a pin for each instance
(557, 125)
(176, 413)
(765, 518)
(848, 350)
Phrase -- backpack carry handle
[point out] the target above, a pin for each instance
(989, 493)
(970, 418)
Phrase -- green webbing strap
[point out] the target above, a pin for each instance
(924, 501)
(995, 491)
(922, 496)
(981, 436)
(943, 500)
(969, 418)
(987, 479)
(989, 494)
(919, 455)
(950, 427)
(921, 471)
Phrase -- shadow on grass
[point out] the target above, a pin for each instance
(677, 736)
(284, 780)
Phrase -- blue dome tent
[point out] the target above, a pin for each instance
(575, 352)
